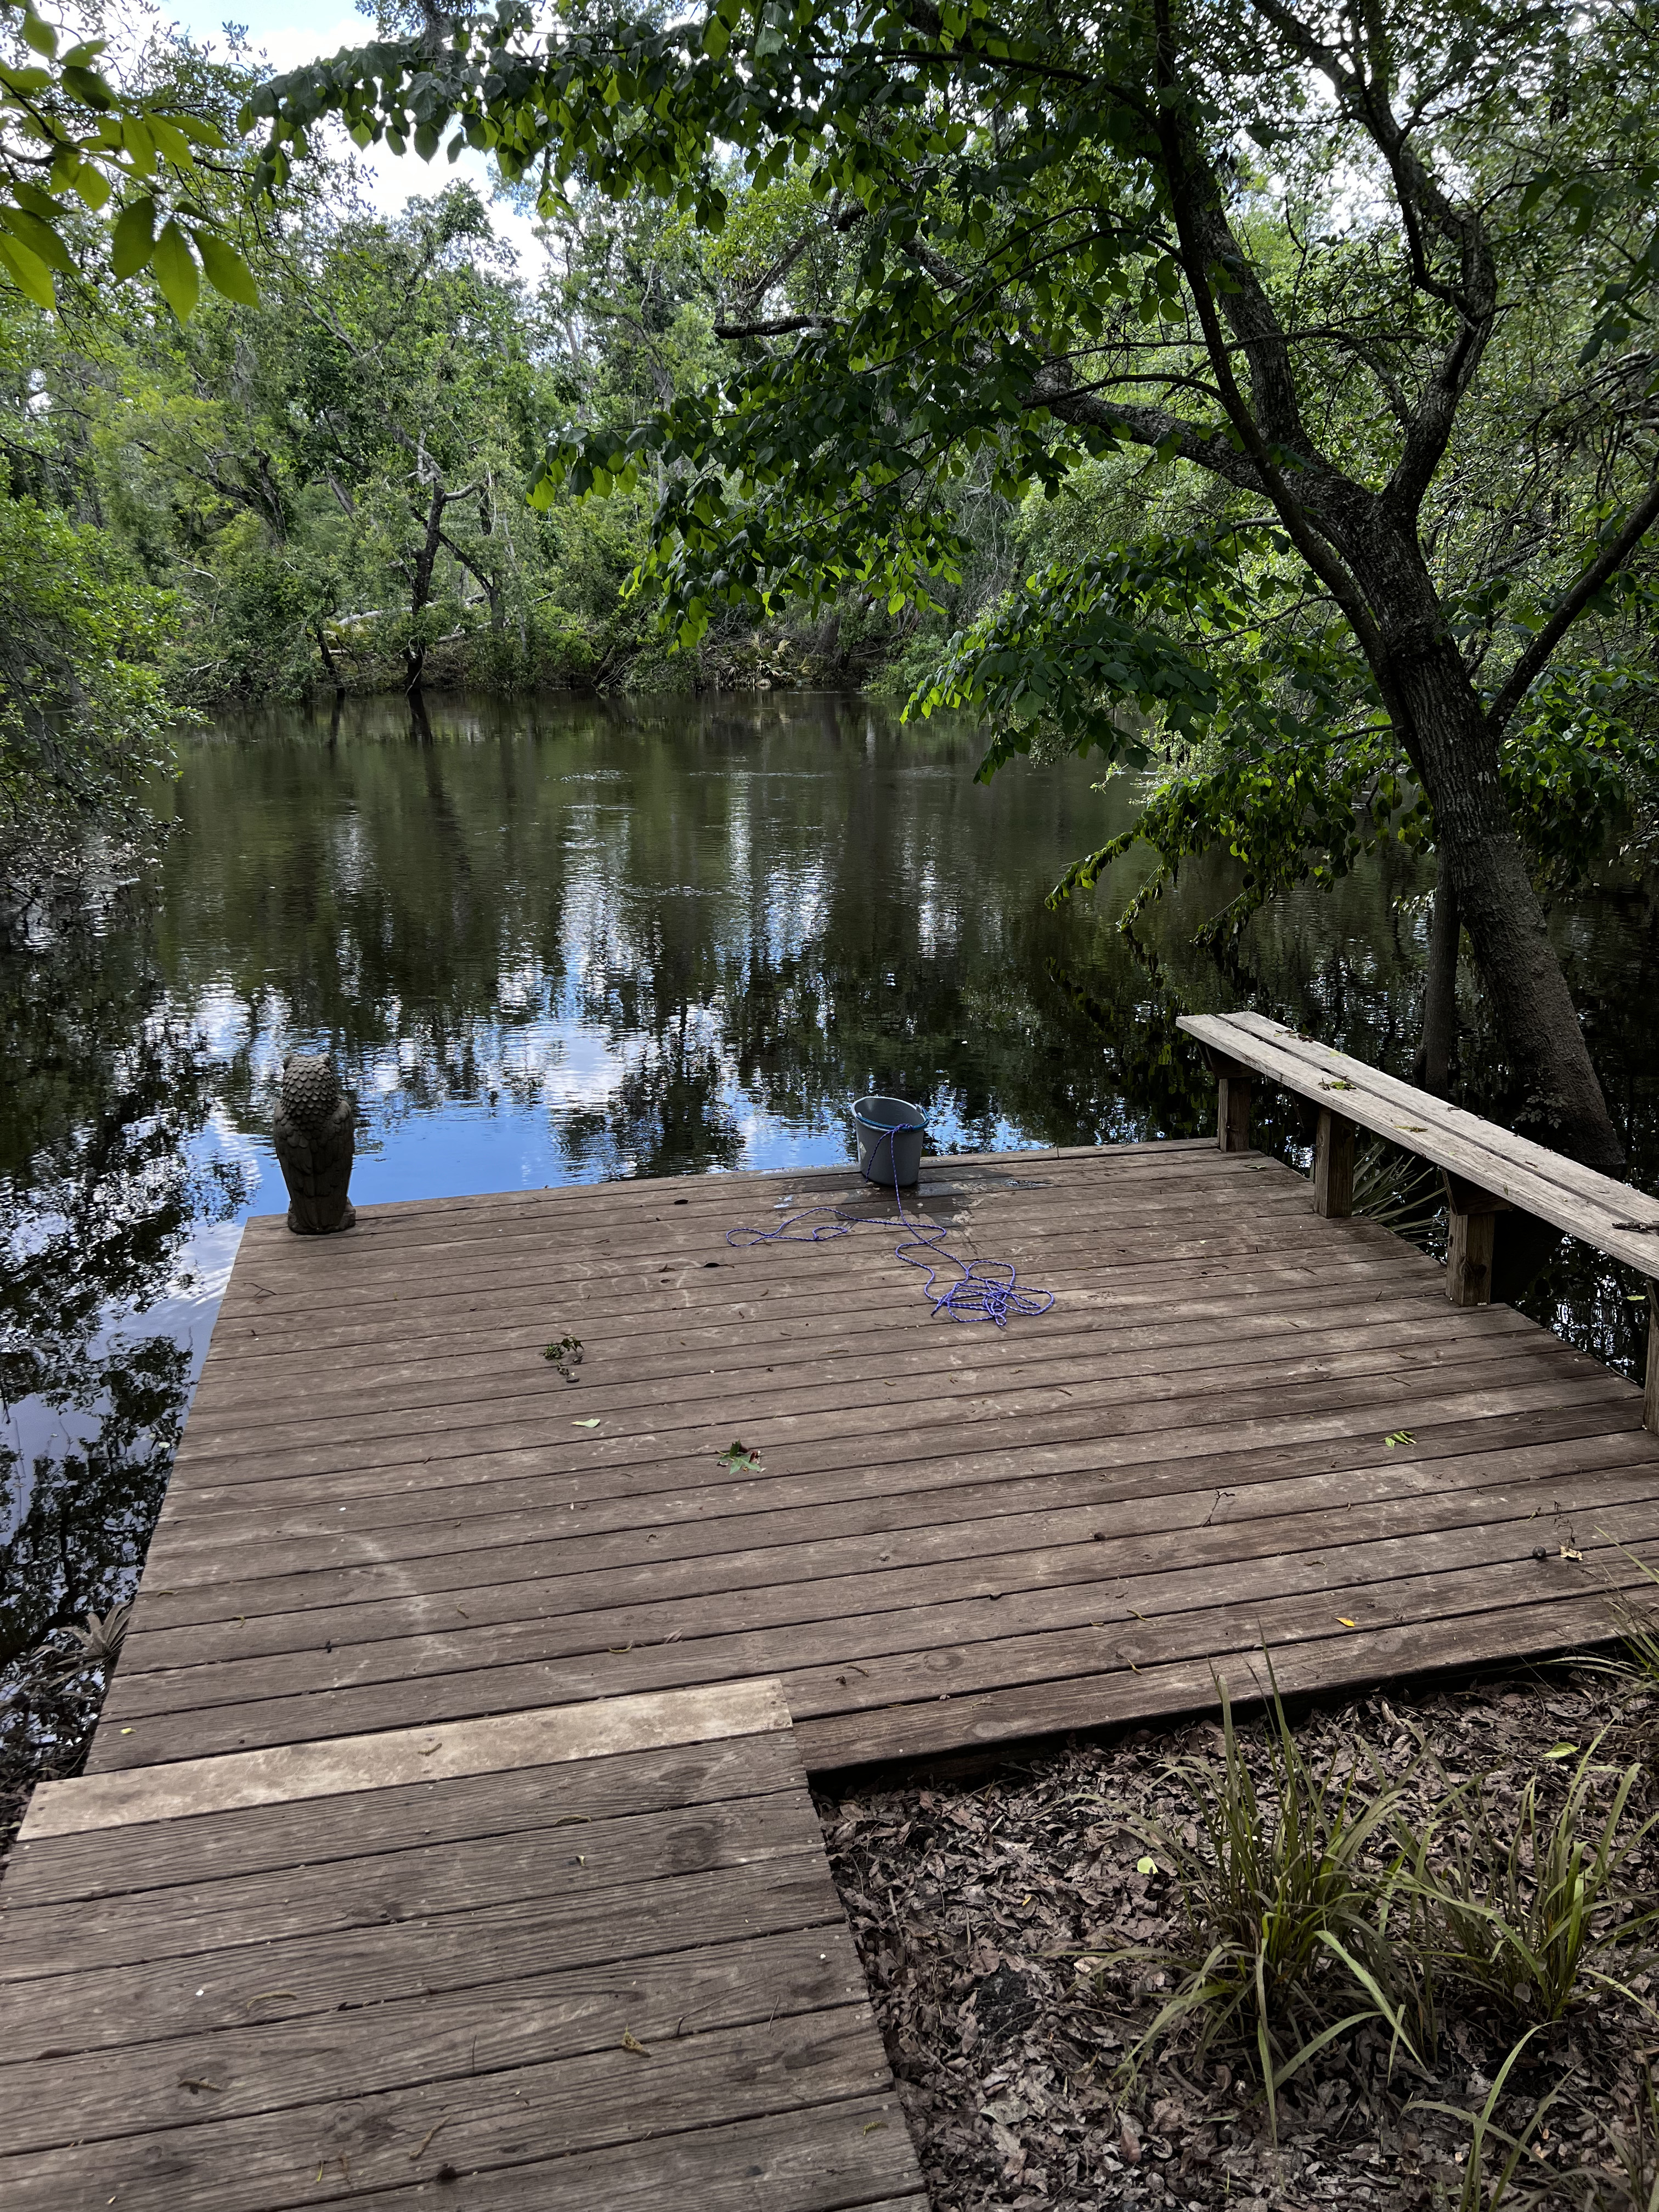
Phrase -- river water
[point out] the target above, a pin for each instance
(561, 940)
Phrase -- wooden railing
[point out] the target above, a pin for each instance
(1486, 1169)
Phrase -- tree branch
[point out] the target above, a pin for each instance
(1204, 237)
(1569, 606)
(1425, 210)
(779, 326)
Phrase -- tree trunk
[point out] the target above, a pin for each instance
(1431, 1069)
(420, 589)
(328, 662)
(1557, 1099)
(1554, 1096)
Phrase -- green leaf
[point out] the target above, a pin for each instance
(39, 238)
(91, 186)
(135, 238)
(37, 202)
(88, 86)
(225, 269)
(176, 271)
(198, 130)
(169, 139)
(29, 274)
(139, 143)
(39, 35)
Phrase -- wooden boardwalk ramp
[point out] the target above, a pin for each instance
(395, 1524)
(589, 1958)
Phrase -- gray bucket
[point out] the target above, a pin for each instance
(884, 1141)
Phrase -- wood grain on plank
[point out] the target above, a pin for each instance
(410, 2040)
(314, 1832)
(524, 1738)
(975, 1603)
(418, 1881)
(326, 2153)
(1455, 1456)
(1140, 1538)
(491, 1947)
(1123, 1697)
(874, 1420)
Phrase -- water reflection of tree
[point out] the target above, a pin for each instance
(718, 904)
(788, 899)
(97, 1199)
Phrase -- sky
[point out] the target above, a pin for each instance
(298, 31)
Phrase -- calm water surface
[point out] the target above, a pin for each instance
(556, 942)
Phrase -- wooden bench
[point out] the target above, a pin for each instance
(1486, 1169)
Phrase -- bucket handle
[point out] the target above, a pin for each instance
(884, 1128)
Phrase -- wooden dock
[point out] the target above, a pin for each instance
(394, 1524)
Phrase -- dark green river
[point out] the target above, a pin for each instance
(562, 940)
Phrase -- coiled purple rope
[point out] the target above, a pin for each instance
(976, 1295)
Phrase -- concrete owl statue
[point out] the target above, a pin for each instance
(313, 1142)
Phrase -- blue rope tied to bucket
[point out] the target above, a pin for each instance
(985, 1290)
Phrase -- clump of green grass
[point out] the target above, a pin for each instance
(1321, 1900)
(1527, 1910)
(1285, 1898)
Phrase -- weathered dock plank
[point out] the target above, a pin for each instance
(597, 1955)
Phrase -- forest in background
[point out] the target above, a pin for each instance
(328, 488)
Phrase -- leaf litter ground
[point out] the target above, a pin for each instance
(971, 1902)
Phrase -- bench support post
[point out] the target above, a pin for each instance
(1650, 1397)
(1232, 1113)
(1233, 1101)
(1471, 1235)
(1333, 1166)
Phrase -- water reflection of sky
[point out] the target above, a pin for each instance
(546, 1060)
(546, 1074)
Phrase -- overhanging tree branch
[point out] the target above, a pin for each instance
(1569, 606)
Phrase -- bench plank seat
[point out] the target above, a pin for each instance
(1618, 1220)
(1487, 1168)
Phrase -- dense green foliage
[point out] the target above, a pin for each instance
(101, 181)
(318, 475)
(1339, 315)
